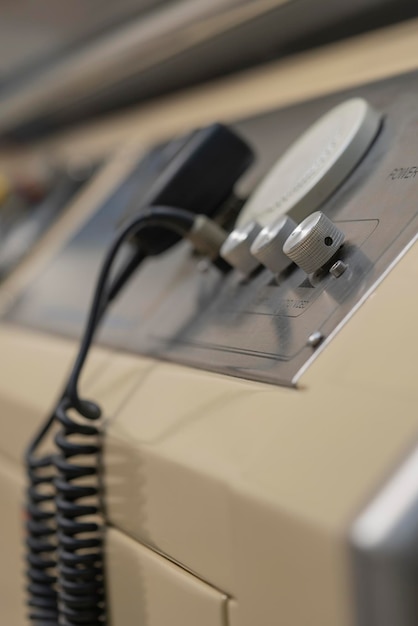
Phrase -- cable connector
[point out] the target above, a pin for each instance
(206, 236)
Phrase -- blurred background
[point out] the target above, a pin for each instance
(65, 61)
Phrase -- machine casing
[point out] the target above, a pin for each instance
(230, 502)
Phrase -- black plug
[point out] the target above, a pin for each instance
(200, 178)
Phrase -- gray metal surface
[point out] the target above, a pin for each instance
(384, 544)
(256, 328)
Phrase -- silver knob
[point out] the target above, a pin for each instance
(314, 242)
(268, 245)
(236, 249)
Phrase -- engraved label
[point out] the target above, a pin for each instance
(295, 304)
(400, 173)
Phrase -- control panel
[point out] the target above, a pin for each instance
(312, 227)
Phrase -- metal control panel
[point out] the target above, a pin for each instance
(260, 326)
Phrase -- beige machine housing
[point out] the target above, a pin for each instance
(230, 502)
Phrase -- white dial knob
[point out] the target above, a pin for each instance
(315, 165)
(268, 245)
(236, 248)
(314, 242)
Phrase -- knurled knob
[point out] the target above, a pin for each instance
(236, 249)
(313, 242)
(268, 245)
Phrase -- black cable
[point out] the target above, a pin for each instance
(134, 261)
(64, 528)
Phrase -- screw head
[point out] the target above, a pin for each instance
(315, 339)
(338, 269)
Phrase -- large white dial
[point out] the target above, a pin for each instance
(313, 167)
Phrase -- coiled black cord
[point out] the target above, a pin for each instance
(64, 507)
